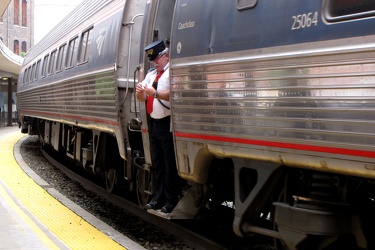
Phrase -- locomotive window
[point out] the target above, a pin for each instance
(60, 57)
(52, 62)
(246, 4)
(70, 53)
(85, 46)
(44, 67)
(343, 10)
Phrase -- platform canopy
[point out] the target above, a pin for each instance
(10, 63)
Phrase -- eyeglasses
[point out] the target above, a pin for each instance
(158, 57)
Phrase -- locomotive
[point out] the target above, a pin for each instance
(272, 104)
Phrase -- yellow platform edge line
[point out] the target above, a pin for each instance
(34, 227)
(70, 228)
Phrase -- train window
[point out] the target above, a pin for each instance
(29, 73)
(32, 72)
(343, 10)
(60, 57)
(52, 62)
(25, 77)
(70, 53)
(36, 73)
(44, 67)
(246, 4)
(85, 46)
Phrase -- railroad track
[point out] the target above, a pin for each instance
(191, 238)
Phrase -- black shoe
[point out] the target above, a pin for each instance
(154, 204)
(168, 207)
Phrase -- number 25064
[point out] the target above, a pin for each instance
(304, 21)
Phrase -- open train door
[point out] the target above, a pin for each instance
(157, 23)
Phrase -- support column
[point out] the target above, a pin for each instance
(10, 106)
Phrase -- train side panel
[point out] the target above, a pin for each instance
(273, 102)
(84, 92)
(274, 82)
(84, 75)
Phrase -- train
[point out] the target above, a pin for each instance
(272, 109)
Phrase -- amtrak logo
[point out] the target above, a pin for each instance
(100, 42)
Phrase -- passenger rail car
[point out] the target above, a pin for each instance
(75, 83)
(273, 110)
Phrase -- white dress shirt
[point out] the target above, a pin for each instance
(163, 84)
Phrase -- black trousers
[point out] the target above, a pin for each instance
(164, 162)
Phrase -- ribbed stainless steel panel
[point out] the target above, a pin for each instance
(310, 103)
(89, 101)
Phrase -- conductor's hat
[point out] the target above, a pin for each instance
(154, 49)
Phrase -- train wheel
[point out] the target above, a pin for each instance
(110, 179)
(143, 195)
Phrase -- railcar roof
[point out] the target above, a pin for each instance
(75, 18)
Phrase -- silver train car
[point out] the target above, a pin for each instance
(273, 109)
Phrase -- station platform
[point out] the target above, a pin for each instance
(33, 215)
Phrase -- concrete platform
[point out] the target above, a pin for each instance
(33, 215)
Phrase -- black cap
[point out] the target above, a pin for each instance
(154, 49)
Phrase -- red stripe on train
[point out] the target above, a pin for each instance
(300, 147)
